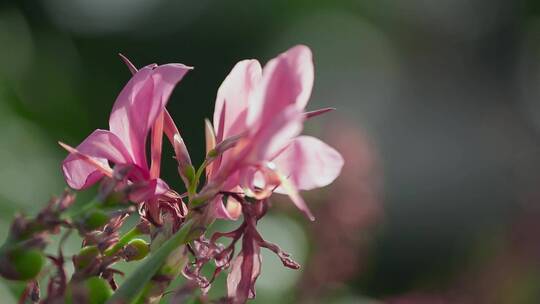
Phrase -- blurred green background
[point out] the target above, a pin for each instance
(438, 119)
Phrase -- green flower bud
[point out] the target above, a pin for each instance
(189, 173)
(85, 257)
(94, 290)
(136, 250)
(114, 199)
(22, 264)
(95, 219)
(212, 153)
(99, 290)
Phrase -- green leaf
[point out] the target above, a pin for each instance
(130, 289)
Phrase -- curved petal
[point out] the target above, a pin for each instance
(290, 189)
(102, 146)
(277, 133)
(232, 98)
(287, 79)
(259, 147)
(139, 104)
(309, 163)
(148, 189)
(229, 211)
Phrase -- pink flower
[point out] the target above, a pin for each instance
(139, 108)
(265, 108)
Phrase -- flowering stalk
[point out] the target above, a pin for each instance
(253, 149)
(127, 292)
(124, 240)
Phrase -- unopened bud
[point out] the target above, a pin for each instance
(181, 152)
(85, 257)
(175, 262)
(136, 250)
(185, 168)
(94, 220)
(224, 146)
(210, 136)
(94, 290)
(21, 264)
(188, 173)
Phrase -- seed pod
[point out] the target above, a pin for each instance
(94, 220)
(21, 264)
(136, 250)
(85, 257)
(94, 290)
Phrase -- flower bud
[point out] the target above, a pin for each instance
(94, 290)
(209, 135)
(136, 250)
(94, 220)
(181, 152)
(185, 168)
(21, 264)
(114, 199)
(85, 257)
(226, 145)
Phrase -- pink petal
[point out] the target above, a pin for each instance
(169, 127)
(210, 141)
(148, 190)
(233, 96)
(259, 182)
(231, 106)
(101, 146)
(140, 102)
(277, 133)
(287, 80)
(259, 147)
(176, 140)
(156, 146)
(231, 211)
(290, 189)
(309, 163)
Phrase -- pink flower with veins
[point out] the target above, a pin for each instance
(138, 109)
(265, 109)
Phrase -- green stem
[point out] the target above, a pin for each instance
(136, 282)
(195, 183)
(130, 235)
(155, 289)
(147, 289)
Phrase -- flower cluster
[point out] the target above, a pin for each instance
(253, 149)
